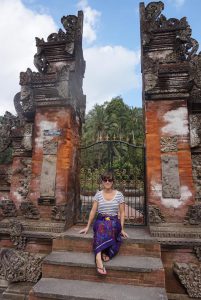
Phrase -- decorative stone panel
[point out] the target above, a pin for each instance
(193, 216)
(155, 215)
(29, 210)
(190, 277)
(196, 166)
(197, 250)
(8, 208)
(170, 177)
(19, 266)
(16, 235)
(168, 143)
(59, 212)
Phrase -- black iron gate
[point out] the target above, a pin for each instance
(127, 163)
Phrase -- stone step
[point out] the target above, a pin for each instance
(139, 242)
(137, 270)
(60, 289)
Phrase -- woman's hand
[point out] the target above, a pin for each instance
(124, 234)
(84, 230)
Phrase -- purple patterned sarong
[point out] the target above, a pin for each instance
(107, 235)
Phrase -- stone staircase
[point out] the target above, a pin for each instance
(69, 271)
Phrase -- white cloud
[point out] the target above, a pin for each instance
(18, 28)
(110, 71)
(91, 17)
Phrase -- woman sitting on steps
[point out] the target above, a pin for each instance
(107, 227)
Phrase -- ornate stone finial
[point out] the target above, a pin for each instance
(153, 10)
(18, 266)
(155, 215)
(190, 277)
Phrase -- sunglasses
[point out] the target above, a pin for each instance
(107, 179)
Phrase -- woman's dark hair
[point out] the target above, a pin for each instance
(107, 175)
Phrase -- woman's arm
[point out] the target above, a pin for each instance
(91, 217)
(122, 218)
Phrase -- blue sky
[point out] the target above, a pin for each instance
(111, 42)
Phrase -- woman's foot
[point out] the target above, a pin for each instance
(105, 257)
(99, 265)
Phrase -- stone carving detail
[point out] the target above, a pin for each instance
(195, 130)
(190, 277)
(19, 266)
(197, 250)
(155, 215)
(170, 177)
(8, 208)
(29, 210)
(193, 216)
(7, 124)
(27, 139)
(168, 143)
(186, 46)
(16, 236)
(40, 60)
(25, 171)
(5, 177)
(196, 166)
(59, 212)
(50, 147)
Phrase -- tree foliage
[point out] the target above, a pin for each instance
(114, 120)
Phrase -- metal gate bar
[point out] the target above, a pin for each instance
(128, 164)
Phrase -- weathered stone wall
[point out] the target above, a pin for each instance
(167, 139)
(51, 168)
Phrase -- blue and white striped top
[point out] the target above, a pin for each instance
(109, 207)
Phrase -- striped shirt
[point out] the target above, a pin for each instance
(109, 207)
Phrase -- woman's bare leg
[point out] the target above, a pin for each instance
(99, 264)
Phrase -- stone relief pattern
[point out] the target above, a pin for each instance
(18, 266)
(29, 210)
(59, 212)
(155, 215)
(155, 28)
(25, 172)
(16, 235)
(190, 277)
(193, 216)
(27, 139)
(195, 130)
(7, 124)
(8, 208)
(195, 77)
(155, 21)
(70, 23)
(5, 177)
(168, 143)
(170, 177)
(50, 147)
(197, 250)
(196, 168)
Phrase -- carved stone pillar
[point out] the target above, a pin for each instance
(56, 95)
(167, 50)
